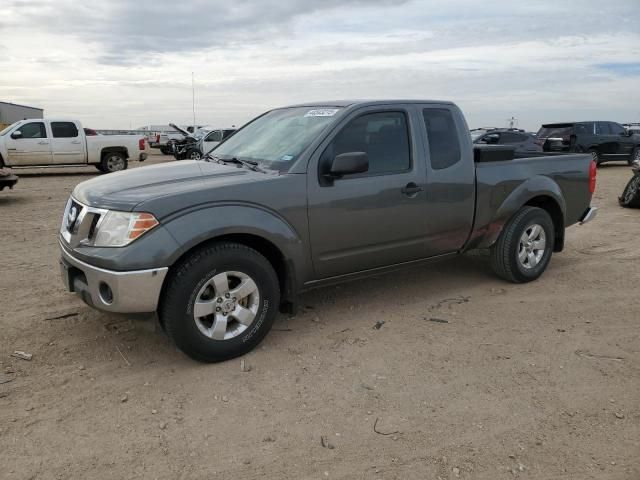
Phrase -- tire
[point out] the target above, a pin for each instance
(165, 151)
(220, 336)
(506, 253)
(630, 197)
(596, 156)
(113, 162)
(635, 156)
(193, 154)
(99, 167)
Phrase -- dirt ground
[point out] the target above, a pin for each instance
(441, 372)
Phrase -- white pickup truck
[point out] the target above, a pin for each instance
(51, 142)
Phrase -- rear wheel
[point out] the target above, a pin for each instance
(635, 156)
(113, 162)
(524, 247)
(631, 194)
(220, 302)
(596, 156)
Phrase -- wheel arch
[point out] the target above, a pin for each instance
(539, 191)
(104, 151)
(262, 230)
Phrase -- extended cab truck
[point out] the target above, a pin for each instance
(306, 196)
(50, 142)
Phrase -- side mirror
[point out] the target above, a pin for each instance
(349, 163)
(17, 134)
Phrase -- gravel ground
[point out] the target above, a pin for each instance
(442, 372)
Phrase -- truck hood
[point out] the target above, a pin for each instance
(180, 130)
(125, 190)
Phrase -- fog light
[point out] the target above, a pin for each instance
(106, 294)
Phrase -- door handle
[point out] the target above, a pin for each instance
(411, 189)
(76, 142)
(43, 143)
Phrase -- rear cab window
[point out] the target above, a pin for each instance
(443, 138)
(64, 129)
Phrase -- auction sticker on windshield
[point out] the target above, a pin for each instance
(322, 112)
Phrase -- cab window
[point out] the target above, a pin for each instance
(442, 135)
(64, 129)
(33, 130)
(383, 136)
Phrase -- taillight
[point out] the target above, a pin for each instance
(158, 138)
(593, 169)
(141, 144)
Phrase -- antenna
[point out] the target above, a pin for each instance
(193, 99)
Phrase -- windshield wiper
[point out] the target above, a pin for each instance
(250, 164)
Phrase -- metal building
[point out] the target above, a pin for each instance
(11, 112)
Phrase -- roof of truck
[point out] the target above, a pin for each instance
(349, 103)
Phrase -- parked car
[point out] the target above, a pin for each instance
(522, 142)
(7, 179)
(47, 142)
(634, 128)
(478, 132)
(201, 142)
(171, 134)
(305, 196)
(606, 141)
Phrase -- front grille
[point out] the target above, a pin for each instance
(80, 223)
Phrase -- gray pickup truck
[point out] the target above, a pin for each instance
(306, 196)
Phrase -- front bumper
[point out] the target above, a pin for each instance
(589, 214)
(122, 292)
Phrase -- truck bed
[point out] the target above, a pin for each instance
(502, 183)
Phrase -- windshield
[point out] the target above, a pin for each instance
(277, 138)
(6, 130)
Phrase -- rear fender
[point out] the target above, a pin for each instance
(536, 191)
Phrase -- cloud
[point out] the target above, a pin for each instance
(120, 62)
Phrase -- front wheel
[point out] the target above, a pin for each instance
(113, 162)
(524, 247)
(220, 302)
(193, 154)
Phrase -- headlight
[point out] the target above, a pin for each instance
(118, 229)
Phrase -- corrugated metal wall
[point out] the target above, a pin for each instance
(10, 112)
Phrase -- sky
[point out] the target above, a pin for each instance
(125, 64)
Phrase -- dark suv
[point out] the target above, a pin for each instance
(607, 141)
(523, 142)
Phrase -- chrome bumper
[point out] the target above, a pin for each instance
(588, 215)
(122, 292)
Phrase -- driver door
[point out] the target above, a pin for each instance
(374, 219)
(33, 147)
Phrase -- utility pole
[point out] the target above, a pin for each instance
(193, 99)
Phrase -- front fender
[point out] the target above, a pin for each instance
(200, 225)
(506, 203)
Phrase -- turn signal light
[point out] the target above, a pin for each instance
(142, 224)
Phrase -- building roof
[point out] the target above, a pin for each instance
(23, 106)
